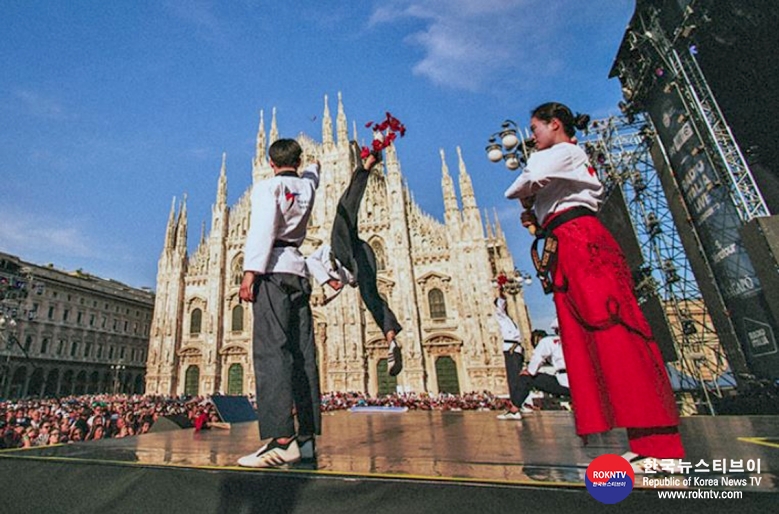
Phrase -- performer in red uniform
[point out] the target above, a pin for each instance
(616, 373)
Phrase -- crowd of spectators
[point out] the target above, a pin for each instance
(42, 422)
(415, 401)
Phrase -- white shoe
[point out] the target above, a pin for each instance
(272, 455)
(637, 462)
(565, 405)
(526, 409)
(509, 416)
(394, 359)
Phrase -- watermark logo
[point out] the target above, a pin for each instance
(609, 478)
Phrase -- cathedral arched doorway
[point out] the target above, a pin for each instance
(386, 383)
(94, 380)
(235, 379)
(17, 383)
(139, 384)
(36, 383)
(66, 388)
(50, 390)
(81, 382)
(192, 381)
(107, 382)
(446, 375)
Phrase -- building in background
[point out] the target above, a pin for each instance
(437, 277)
(64, 333)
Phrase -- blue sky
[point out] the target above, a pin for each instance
(109, 109)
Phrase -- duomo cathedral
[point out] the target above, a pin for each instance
(437, 276)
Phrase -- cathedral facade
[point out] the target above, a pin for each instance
(437, 276)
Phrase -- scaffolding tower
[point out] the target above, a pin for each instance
(619, 147)
(664, 54)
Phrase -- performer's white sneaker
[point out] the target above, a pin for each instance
(272, 455)
(510, 416)
(394, 359)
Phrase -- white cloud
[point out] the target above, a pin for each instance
(40, 106)
(25, 234)
(470, 44)
(199, 14)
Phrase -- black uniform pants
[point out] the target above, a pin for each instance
(357, 255)
(514, 361)
(542, 382)
(285, 365)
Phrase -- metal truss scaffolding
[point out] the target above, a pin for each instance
(619, 147)
(658, 56)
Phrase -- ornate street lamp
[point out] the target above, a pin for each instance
(513, 282)
(118, 369)
(510, 146)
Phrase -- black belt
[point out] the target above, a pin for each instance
(278, 243)
(545, 263)
(560, 371)
(566, 216)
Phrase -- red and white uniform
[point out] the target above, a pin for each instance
(281, 206)
(616, 373)
(549, 350)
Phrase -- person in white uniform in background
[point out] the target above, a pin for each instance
(513, 355)
(548, 353)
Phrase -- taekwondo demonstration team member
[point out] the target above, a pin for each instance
(513, 354)
(547, 355)
(276, 281)
(616, 372)
(352, 261)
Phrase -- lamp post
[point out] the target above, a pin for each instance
(15, 287)
(513, 283)
(510, 145)
(7, 324)
(118, 369)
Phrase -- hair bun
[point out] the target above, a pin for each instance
(581, 121)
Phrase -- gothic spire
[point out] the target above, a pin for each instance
(262, 144)
(490, 235)
(466, 187)
(341, 126)
(274, 131)
(498, 229)
(450, 196)
(221, 192)
(391, 160)
(170, 230)
(181, 226)
(327, 126)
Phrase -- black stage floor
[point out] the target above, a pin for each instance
(416, 461)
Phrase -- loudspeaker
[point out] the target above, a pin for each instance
(736, 47)
(168, 423)
(615, 216)
(761, 241)
(234, 409)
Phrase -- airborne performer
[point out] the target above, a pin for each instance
(615, 369)
(352, 261)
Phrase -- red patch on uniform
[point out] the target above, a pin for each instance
(289, 195)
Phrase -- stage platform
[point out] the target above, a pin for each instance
(415, 461)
